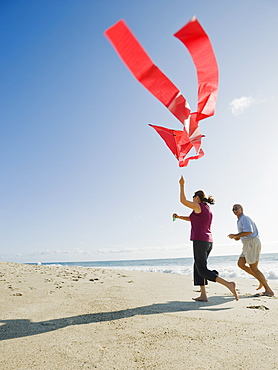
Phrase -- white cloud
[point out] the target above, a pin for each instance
(115, 250)
(49, 252)
(239, 105)
(140, 249)
(64, 251)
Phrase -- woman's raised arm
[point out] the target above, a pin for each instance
(187, 203)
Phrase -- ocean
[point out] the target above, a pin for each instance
(225, 265)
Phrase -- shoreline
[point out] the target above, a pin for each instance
(62, 317)
(226, 265)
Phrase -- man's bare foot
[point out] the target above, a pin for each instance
(268, 293)
(232, 287)
(201, 299)
(260, 286)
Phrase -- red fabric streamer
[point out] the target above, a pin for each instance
(144, 70)
(149, 75)
(198, 44)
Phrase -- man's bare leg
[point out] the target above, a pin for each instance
(203, 296)
(242, 264)
(260, 276)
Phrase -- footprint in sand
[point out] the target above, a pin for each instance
(260, 307)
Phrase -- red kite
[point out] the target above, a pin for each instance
(149, 75)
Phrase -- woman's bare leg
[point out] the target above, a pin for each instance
(229, 284)
(203, 296)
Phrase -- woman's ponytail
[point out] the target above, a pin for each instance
(203, 198)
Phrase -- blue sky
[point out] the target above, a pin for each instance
(83, 176)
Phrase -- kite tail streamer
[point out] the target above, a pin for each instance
(150, 76)
(145, 71)
(197, 42)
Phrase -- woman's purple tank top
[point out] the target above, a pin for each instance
(201, 223)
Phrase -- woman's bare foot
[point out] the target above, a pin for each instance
(201, 299)
(229, 284)
(232, 287)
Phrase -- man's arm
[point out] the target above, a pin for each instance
(239, 235)
(243, 224)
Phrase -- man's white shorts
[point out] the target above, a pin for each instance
(251, 250)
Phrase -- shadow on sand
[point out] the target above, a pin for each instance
(18, 328)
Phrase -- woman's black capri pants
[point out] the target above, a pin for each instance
(202, 274)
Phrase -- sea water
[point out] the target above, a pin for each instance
(225, 265)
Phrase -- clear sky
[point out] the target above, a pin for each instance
(83, 176)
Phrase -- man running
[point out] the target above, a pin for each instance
(249, 258)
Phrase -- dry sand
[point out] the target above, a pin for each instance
(55, 317)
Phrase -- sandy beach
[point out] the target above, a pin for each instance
(56, 317)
